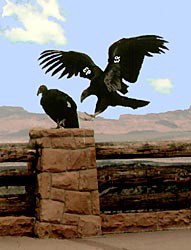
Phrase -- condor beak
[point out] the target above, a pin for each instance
(38, 92)
(84, 95)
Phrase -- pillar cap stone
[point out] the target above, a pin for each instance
(53, 132)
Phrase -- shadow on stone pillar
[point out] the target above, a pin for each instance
(67, 186)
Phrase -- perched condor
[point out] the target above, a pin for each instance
(125, 60)
(59, 106)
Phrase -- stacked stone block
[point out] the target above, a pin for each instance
(146, 221)
(67, 190)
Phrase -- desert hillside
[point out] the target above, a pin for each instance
(15, 122)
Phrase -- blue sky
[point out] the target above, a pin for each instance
(29, 27)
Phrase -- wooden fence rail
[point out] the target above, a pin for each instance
(17, 152)
(139, 176)
(130, 150)
(17, 179)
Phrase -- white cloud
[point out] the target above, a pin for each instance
(163, 86)
(34, 18)
(50, 8)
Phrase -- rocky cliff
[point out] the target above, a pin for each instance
(15, 123)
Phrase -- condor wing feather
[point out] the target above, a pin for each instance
(69, 62)
(126, 57)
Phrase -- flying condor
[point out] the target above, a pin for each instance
(125, 59)
(59, 106)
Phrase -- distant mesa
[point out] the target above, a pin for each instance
(167, 123)
(170, 125)
(10, 110)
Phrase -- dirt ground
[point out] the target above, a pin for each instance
(165, 240)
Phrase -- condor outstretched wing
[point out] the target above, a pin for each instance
(126, 57)
(70, 62)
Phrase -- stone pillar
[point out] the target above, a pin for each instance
(67, 186)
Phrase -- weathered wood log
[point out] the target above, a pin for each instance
(17, 179)
(145, 185)
(16, 168)
(17, 153)
(127, 150)
(17, 204)
(14, 172)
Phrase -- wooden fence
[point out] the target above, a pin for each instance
(17, 180)
(140, 177)
(132, 177)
